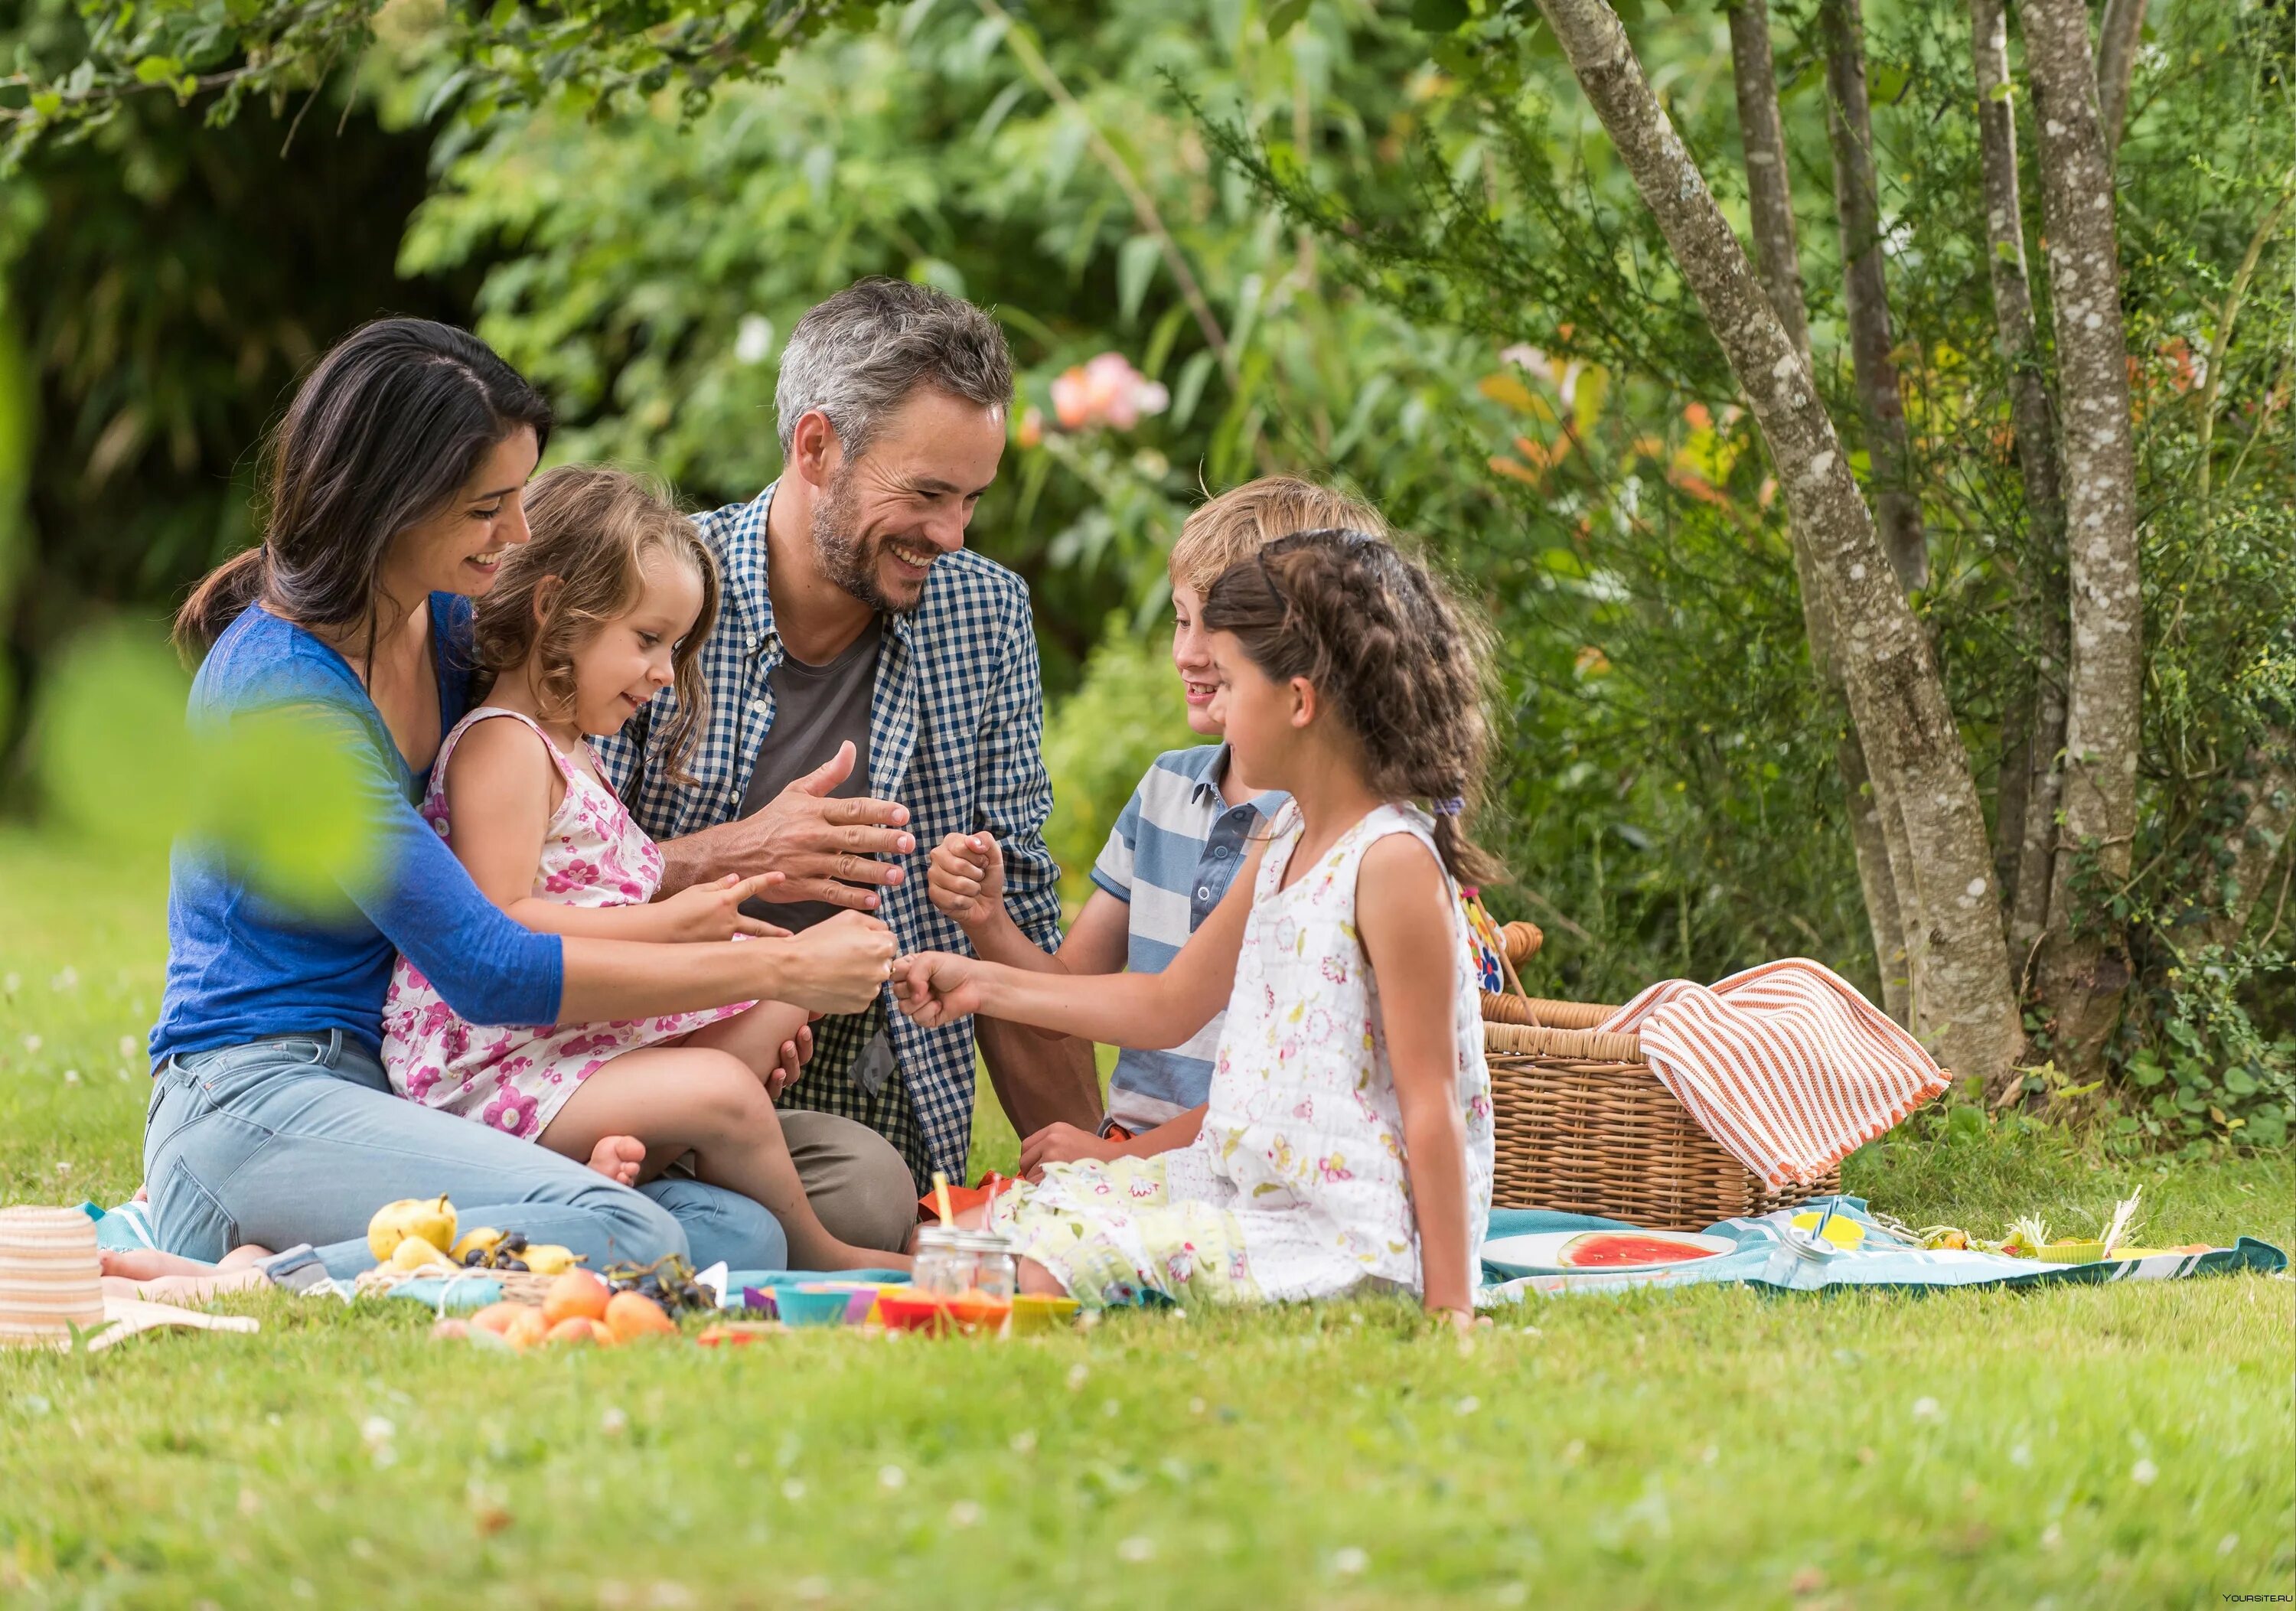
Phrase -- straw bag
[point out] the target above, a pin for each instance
(1582, 1125)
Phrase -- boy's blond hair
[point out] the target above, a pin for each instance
(1243, 520)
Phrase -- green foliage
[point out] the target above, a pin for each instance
(650, 263)
(278, 790)
(1681, 803)
(1125, 713)
(600, 52)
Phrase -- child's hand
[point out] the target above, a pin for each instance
(713, 910)
(1063, 1143)
(965, 877)
(935, 988)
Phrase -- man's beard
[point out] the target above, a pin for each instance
(848, 560)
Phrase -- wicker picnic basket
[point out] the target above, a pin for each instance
(1583, 1125)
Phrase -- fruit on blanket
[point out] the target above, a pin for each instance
(497, 1316)
(549, 1259)
(578, 1295)
(417, 1253)
(451, 1327)
(576, 1331)
(431, 1218)
(527, 1327)
(631, 1315)
(481, 1240)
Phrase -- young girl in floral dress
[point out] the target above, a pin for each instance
(1348, 1141)
(606, 605)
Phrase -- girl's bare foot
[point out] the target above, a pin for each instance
(150, 1263)
(146, 1272)
(619, 1158)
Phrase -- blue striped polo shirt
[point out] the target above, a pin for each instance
(1172, 853)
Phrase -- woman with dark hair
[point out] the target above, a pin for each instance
(394, 489)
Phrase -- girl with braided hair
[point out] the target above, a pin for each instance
(1347, 1145)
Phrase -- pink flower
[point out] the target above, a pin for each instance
(419, 1083)
(511, 1113)
(1106, 391)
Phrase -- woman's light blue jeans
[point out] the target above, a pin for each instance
(300, 1138)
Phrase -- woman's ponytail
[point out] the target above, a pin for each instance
(222, 597)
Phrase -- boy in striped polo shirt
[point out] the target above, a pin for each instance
(1174, 850)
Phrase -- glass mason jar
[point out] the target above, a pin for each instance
(944, 1266)
(994, 1270)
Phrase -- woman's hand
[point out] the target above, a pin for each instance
(965, 878)
(935, 988)
(1063, 1143)
(713, 910)
(835, 967)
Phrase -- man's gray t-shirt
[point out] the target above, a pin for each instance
(816, 708)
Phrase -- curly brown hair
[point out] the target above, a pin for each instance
(1407, 671)
(593, 527)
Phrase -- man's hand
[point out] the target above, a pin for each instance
(935, 988)
(713, 910)
(1064, 1144)
(966, 878)
(826, 849)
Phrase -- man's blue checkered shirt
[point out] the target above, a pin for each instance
(954, 735)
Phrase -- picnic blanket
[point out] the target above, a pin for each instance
(1883, 1259)
(1785, 1066)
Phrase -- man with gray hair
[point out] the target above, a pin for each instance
(872, 686)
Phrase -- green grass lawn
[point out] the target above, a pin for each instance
(2124, 1445)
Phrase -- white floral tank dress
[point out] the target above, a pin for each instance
(1296, 1186)
(515, 1080)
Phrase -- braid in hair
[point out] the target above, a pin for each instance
(1405, 669)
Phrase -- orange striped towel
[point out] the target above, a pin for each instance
(1785, 1066)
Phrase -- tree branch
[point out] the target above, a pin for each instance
(1024, 46)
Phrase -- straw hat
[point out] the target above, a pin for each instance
(49, 1279)
(52, 1281)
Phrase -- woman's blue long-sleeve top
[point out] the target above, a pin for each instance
(241, 966)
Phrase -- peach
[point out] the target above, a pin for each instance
(526, 1327)
(497, 1316)
(633, 1314)
(578, 1295)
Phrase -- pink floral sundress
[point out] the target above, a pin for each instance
(515, 1080)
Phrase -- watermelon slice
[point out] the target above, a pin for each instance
(1620, 1249)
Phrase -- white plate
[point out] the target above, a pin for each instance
(1541, 1253)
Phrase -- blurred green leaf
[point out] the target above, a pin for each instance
(280, 789)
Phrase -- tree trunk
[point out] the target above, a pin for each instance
(1769, 194)
(2024, 838)
(2117, 35)
(2262, 837)
(1769, 188)
(2084, 975)
(1961, 982)
(1866, 292)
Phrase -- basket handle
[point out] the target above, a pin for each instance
(1536, 1012)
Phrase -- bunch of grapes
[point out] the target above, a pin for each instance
(668, 1281)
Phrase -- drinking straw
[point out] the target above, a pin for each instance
(1819, 1234)
(940, 1193)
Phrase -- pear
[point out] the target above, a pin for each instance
(550, 1259)
(415, 1252)
(480, 1238)
(431, 1218)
